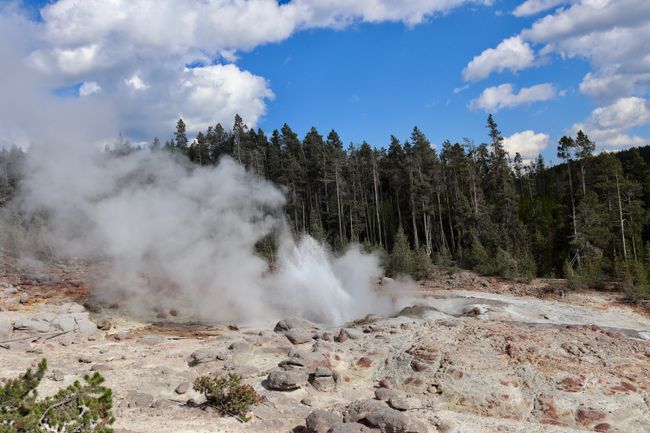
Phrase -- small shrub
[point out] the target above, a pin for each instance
(422, 264)
(84, 408)
(228, 394)
(589, 275)
(402, 258)
(633, 279)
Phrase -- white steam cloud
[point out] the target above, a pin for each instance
(175, 234)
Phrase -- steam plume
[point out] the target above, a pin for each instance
(177, 234)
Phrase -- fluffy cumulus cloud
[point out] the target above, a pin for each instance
(513, 53)
(504, 96)
(131, 54)
(88, 88)
(608, 126)
(610, 34)
(532, 7)
(528, 144)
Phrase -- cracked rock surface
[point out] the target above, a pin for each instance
(465, 355)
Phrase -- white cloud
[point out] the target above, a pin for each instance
(97, 41)
(220, 92)
(136, 83)
(513, 53)
(88, 88)
(529, 144)
(608, 126)
(532, 7)
(504, 96)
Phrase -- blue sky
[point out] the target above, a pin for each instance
(346, 66)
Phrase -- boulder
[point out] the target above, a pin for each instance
(86, 327)
(139, 400)
(182, 388)
(293, 323)
(64, 323)
(201, 355)
(392, 421)
(240, 346)
(286, 380)
(299, 336)
(398, 403)
(32, 325)
(321, 421)
(349, 427)
(104, 324)
(384, 394)
(359, 410)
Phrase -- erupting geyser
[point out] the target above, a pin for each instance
(154, 217)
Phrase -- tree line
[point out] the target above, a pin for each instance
(464, 204)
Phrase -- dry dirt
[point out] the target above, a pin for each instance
(469, 354)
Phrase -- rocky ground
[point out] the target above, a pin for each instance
(469, 354)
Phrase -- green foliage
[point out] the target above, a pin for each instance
(589, 275)
(422, 264)
(402, 258)
(228, 394)
(266, 248)
(633, 279)
(81, 407)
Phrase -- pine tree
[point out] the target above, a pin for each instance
(181, 137)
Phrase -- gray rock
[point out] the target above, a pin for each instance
(354, 334)
(104, 324)
(323, 372)
(240, 346)
(32, 325)
(359, 410)
(139, 400)
(349, 427)
(281, 380)
(64, 323)
(392, 421)
(398, 403)
(293, 323)
(86, 327)
(323, 384)
(321, 421)
(101, 367)
(447, 426)
(24, 298)
(309, 360)
(57, 376)
(299, 336)
(85, 359)
(182, 388)
(384, 394)
(201, 355)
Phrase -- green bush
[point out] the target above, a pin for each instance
(422, 264)
(633, 279)
(589, 275)
(228, 394)
(83, 408)
(402, 258)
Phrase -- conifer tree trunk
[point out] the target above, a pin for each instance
(338, 205)
(573, 212)
(376, 187)
(620, 216)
